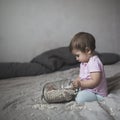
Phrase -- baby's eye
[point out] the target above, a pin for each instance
(76, 55)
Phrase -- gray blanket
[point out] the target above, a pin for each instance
(20, 99)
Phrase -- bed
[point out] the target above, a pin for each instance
(20, 98)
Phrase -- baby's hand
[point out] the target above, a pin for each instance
(76, 83)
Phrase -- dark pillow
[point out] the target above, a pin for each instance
(109, 58)
(55, 58)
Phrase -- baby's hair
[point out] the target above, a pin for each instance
(82, 41)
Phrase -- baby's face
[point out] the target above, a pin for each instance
(81, 56)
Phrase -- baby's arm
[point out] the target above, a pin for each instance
(93, 82)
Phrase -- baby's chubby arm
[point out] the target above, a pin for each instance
(91, 83)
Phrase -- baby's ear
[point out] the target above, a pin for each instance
(88, 50)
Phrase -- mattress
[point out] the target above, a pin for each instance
(20, 98)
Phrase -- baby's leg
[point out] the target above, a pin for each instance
(85, 96)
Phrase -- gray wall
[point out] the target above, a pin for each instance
(30, 27)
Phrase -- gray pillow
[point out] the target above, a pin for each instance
(56, 58)
(109, 58)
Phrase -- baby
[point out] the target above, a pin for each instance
(91, 82)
